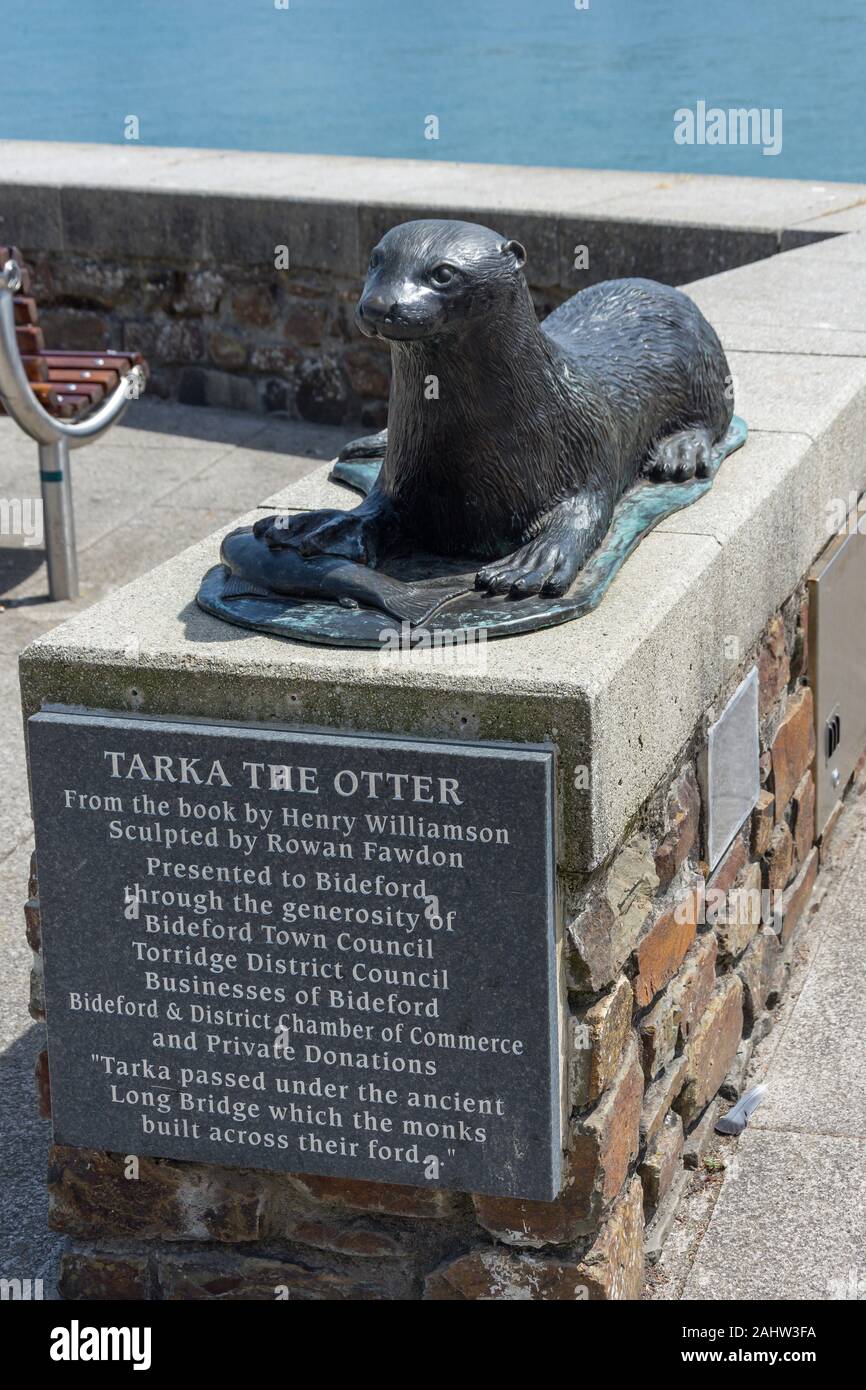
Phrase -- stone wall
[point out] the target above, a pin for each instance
(235, 336)
(247, 336)
(668, 994)
(174, 253)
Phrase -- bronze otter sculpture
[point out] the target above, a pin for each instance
(510, 441)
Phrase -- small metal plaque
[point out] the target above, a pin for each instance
(310, 952)
(837, 660)
(731, 767)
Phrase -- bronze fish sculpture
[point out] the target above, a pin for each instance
(257, 571)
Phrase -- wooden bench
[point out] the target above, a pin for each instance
(62, 400)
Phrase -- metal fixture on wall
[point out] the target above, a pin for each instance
(837, 661)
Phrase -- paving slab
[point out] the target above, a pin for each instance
(818, 1068)
(789, 1222)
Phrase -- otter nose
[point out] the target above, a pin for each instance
(375, 308)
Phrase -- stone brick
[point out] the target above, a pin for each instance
(75, 329)
(662, 1163)
(800, 643)
(663, 947)
(360, 1241)
(602, 1148)
(489, 1275)
(602, 935)
(803, 817)
(797, 897)
(222, 1278)
(779, 860)
(683, 813)
(712, 1049)
(227, 350)
(253, 306)
(734, 1083)
(598, 1036)
(368, 372)
(200, 293)
(700, 1136)
(43, 1085)
(270, 357)
(793, 748)
(611, 1270)
(763, 820)
(732, 862)
(387, 1199)
(103, 1278)
(313, 285)
(91, 1196)
(759, 970)
(693, 987)
(179, 341)
(741, 918)
(304, 321)
(322, 394)
(658, 1099)
(828, 834)
(222, 390)
(658, 1033)
(33, 924)
(774, 667)
(149, 292)
(98, 283)
(140, 336)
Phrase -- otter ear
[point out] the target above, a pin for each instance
(516, 250)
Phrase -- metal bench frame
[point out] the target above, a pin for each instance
(54, 439)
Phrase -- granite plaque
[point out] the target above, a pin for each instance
(301, 951)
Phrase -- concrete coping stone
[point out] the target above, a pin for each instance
(235, 206)
(646, 196)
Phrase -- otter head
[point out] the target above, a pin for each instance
(427, 278)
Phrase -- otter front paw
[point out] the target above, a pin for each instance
(546, 565)
(350, 535)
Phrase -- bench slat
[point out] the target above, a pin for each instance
(30, 340)
(107, 378)
(25, 309)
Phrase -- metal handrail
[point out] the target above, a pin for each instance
(18, 396)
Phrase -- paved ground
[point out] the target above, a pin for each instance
(783, 1218)
(781, 1212)
(166, 477)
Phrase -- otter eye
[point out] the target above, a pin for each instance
(442, 274)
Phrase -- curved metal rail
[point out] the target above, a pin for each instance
(54, 438)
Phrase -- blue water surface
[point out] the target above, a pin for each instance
(510, 81)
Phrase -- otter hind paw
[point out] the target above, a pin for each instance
(369, 446)
(684, 455)
(544, 566)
